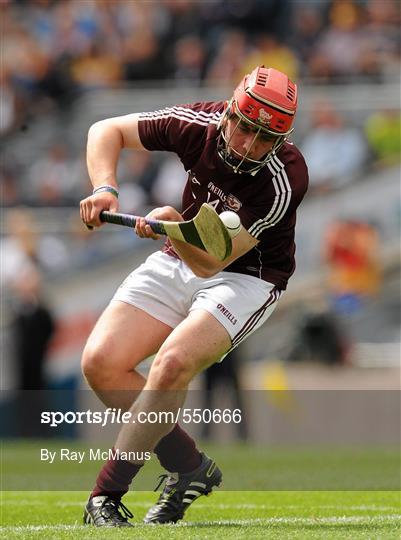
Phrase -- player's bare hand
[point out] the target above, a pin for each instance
(164, 213)
(91, 207)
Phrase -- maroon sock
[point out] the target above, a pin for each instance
(177, 452)
(115, 477)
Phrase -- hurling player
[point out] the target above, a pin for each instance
(183, 305)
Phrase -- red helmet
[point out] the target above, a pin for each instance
(267, 100)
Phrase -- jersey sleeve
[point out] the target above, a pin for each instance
(290, 182)
(181, 129)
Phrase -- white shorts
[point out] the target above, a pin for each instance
(168, 290)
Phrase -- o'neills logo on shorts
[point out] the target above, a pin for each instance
(227, 314)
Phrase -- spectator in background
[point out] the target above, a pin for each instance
(10, 110)
(18, 247)
(226, 66)
(351, 252)
(29, 319)
(54, 179)
(383, 132)
(269, 51)
(308, 28)
(335, 153)
(98, 68)
(9, 189)
(382, 37)
(24, 67)
(183, 19)
(142, 57)
(143, 26)
(78, 25)
(32, 328)
(189, 60)
(24, 249)
(339, 51)
(274, 17)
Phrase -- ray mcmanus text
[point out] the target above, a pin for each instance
(92, 454)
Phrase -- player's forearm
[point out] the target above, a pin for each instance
(104, 145)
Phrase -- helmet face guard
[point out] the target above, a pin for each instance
(265, 102)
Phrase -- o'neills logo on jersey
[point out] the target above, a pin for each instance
(227, 314)
(232, 203)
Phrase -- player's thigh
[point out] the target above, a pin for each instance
(196, 343)
(125, 335)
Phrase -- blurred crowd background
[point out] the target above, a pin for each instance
(68, 63)
(56, 51)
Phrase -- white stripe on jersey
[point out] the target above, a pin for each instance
(282, 199)
(180, 117)
(201, 118)
(187, 113)
(216, 115)
(187, 110)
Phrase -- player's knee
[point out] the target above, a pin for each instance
(170, 371)
(95, 365)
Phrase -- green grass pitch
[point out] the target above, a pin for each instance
(255, 514)
(239, 509)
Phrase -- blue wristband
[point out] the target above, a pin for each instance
(108, 189)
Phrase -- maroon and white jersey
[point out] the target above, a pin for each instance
(266, 202)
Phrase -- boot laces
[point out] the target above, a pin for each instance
(169, 495)
(161, 479)
(112, 508)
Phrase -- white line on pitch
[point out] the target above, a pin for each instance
(221, 506)
(267, 521)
